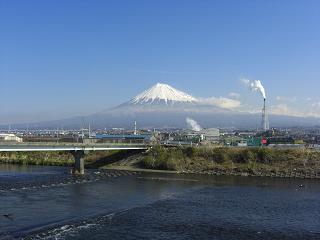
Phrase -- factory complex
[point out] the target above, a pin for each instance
(215, 137)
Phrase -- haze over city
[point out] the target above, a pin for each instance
(71, 58)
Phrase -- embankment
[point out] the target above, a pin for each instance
(300, 163)
(94, 159)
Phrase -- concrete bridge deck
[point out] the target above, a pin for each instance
(69, 147)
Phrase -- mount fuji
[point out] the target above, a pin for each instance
(164, 98)
(161, 106)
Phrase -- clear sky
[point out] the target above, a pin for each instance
(65, 58)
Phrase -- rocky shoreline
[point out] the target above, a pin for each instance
(219, 172)
(272, 174)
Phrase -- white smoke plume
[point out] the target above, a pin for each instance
(255, 86)
(193, 124)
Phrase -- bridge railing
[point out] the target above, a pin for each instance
(68, 144)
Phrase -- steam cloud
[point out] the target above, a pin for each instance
(255, 86)
(193, 124)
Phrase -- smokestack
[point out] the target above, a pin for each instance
(265, 121)
(135, 128)
(256, 86)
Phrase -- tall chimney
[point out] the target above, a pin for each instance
(265, 121)
(135, 128)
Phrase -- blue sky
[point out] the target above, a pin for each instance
(66, 58)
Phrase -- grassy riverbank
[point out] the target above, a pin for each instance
(238, 161)
(37, 158)
(227, 161)
(92, 159)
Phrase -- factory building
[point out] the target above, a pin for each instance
(9, 137)
(210, 134)
(123, 138)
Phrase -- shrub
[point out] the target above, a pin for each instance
(189, 152)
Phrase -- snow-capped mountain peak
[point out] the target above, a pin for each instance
(162, 93)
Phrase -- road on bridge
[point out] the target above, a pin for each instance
(29, 147)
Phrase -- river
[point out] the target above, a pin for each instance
(49, 203)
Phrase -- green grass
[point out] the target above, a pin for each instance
(199, 159)
(242, 159)
(37, 158)
(52, 158)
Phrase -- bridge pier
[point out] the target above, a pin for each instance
(78, 162)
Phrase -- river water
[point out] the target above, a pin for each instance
(49, 203)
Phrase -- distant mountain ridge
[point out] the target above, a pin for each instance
(164, 106)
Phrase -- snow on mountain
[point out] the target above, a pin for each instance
(162, 93)
(164, 98)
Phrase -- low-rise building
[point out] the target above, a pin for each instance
(123, 138)
(9, 137)
(210, 134)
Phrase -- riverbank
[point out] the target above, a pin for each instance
(266, 162)
(94, 159)
(37, 158)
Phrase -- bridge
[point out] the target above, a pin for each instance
(77, 150)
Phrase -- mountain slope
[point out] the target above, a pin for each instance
(164, 98)
(162, 93)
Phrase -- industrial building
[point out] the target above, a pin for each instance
(210, 134)
(123, 138)
(9, 137)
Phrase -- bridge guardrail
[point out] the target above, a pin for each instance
(70, 144)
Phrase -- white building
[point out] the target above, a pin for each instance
(210, 134)
(9, 137)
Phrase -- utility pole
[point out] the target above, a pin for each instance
(82, 126)
(57, 134)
